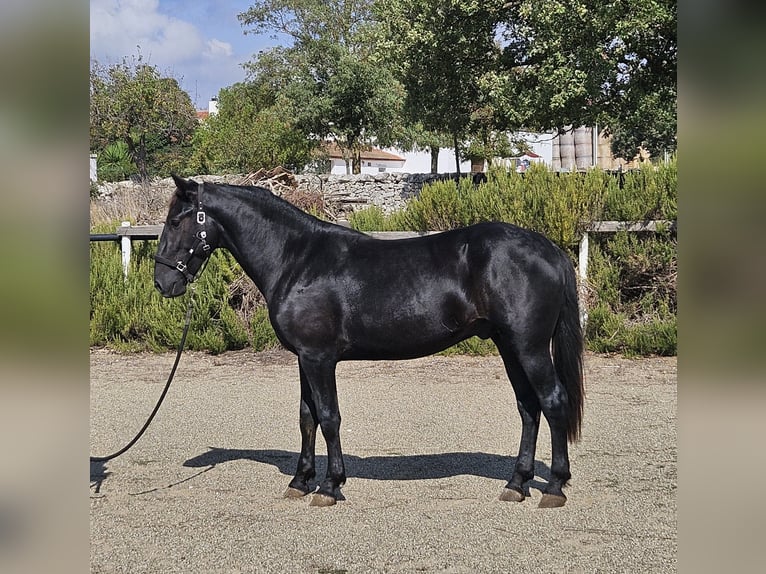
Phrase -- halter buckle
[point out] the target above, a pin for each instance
(201, 217)
(181, 266)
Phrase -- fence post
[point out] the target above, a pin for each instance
(125, 246)
(582, 271)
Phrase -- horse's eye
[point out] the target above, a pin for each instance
(175, 222)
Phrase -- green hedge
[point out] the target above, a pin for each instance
(128, 313)
(559, 205)
(631, 283)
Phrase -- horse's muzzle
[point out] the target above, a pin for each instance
(174, 288)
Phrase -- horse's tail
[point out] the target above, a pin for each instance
(568, 353)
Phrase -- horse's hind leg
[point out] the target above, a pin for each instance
(529, 409)
(552, 397)
(299, 485)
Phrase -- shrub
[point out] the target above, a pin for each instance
(128, 313)
(646, 193)
(632, 282)
(557, 205)
(115, 163)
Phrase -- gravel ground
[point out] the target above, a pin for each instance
(428, 445)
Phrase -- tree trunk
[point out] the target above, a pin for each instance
(457, 154)
(138, 154)
(434, 159)
(356, 161)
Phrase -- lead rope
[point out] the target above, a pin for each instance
(164, 391)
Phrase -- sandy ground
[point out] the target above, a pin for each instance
(428, 445)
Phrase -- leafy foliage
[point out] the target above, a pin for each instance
(441, 51)
(577, 62)
(413, 136)
(632, 282)
(647, 193)
(331, 75)
(127, 312)
(114, 163)
(132, 102)
(251, 130)
(557, 205)
(420, 74)
(472, 68)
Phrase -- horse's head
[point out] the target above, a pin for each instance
(187, 240)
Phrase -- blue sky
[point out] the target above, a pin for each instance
(200, 43)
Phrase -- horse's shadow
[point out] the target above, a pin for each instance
(392, 467)
(98, 474)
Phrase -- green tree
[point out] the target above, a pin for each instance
(336, 22)
(335, 80)
(582, 62)
(442, 51)
(474, 68)
(251, 130)
(132, 102)
(356, 103)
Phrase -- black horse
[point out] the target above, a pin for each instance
(336, 294)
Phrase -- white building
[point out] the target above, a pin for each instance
(420, 161)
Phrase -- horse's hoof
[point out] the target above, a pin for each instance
(552, 501)
(511, 495)
(294, 493)
(320, 499)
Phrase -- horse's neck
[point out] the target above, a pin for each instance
(258, 231)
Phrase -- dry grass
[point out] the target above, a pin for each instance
(245, 298)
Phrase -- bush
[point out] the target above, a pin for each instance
(114, 163)
(128, 313)
(557, 205)
(632, 282)
(647, 193)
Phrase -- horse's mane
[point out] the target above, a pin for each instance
(260, 192)
(278, 207)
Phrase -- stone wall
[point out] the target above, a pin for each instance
(344, 194)
(389, 191)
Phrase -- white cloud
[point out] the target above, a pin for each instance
(127, 27)
(217, 48)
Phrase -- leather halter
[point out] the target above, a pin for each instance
(200, 242)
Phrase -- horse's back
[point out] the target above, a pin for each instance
(488, 237)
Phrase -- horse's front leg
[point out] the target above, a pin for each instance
(319, 373)
(304, 474)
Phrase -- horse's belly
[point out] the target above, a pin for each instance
(410, 339)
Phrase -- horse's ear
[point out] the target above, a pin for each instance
(183, 186)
